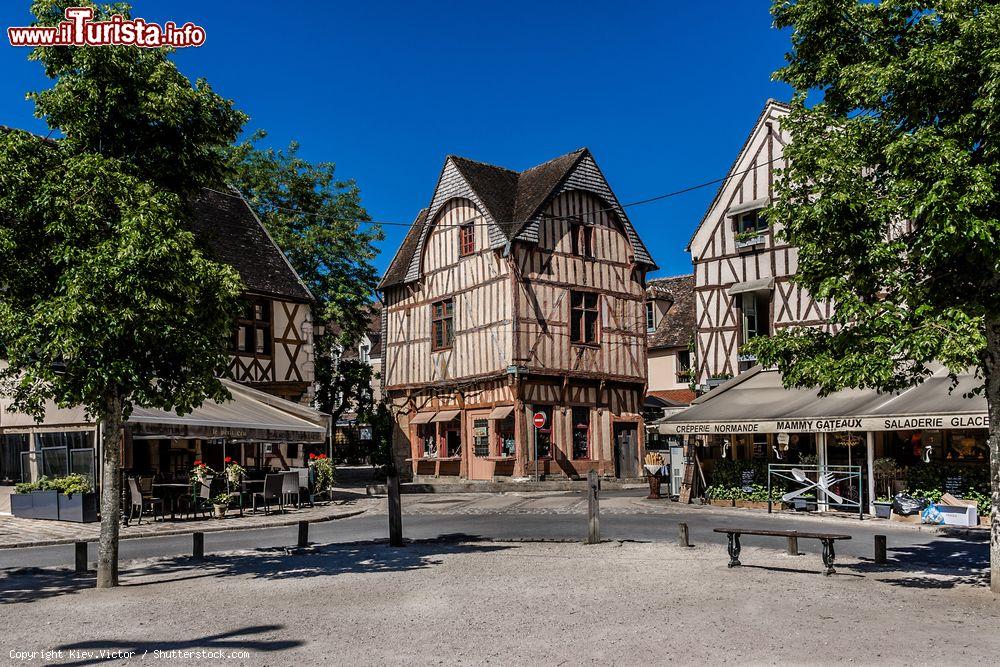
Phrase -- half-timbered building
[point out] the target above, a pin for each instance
(516, 294)
(742, 270)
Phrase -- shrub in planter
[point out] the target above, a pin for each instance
(69, 498)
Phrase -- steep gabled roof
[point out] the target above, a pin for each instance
(396, 273)
(513, 202)
(677, 326)
(765, 112)
(226, 225)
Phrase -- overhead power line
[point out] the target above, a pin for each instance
(471, 221)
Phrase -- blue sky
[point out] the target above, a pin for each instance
(663, 93)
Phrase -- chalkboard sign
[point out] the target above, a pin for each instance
(955, 485)
(746, 479)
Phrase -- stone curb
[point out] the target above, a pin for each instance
(185, 531)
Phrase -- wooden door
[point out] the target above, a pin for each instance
(480, 467)
(626, 450)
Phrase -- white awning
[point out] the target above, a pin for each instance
(752, 205)
(756, 402)
(759, 285)
(446, 415)
(501, 412)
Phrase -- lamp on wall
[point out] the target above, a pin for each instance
(927, 454)
(725, 449)
(777, 454)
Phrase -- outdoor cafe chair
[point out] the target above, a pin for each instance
(271, 492)
(201, 501)
(304, 487)
(290, 487)
(139, 503)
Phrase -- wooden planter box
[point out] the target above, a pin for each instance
(751, 504)
(35, 505)
(80, 507)
(716, 502)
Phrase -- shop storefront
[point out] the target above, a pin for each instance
(929, 439)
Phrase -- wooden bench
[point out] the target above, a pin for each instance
(792, 536)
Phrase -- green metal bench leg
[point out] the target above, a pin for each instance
(734, 550)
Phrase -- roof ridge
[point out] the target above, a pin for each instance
(679, 275)
(578, 151)
(479, 162)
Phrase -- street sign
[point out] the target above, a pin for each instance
(538, 420)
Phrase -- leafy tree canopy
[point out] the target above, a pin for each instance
(891, 192)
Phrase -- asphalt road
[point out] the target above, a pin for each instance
(908, 548)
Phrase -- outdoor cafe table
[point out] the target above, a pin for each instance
(173, 491)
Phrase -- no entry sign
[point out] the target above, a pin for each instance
(538, 420)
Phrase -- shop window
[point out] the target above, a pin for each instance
(253, 328)
(451, 437)
(583, 318)
(505, 436)
(467, 239)
(581, 433)
(443, 324)
(427, 440)
(967, 446)
(543, 435)
(11, 448)
(481, 437)
(582, 239)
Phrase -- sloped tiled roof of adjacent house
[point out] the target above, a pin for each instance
(513, 201)
(232, 233)
(674, 396)
(677, 325)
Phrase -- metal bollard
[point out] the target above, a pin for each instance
(81, 557)
(395, 511)
(303, 533)
(683, 538)
(198, 545)
(880, 558)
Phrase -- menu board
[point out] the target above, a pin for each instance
(955, 485)
(746, 479)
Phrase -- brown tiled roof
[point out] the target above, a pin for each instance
(226, 225)
(677, 326)
(396, 273)
(676, 396)
(513, 199)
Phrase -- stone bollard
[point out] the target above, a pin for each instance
(683, 538)
(81, 557)
(593, 508)
(395, 511)
(880, 558)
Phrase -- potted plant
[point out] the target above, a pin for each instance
(884, 471)
(35, 500)
(220, 504)
(67, 498)
(322, 470)
(234, 472)
(654, 473)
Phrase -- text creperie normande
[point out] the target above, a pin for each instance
(79, 29)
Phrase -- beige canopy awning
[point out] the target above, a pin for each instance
(250, 415)
(759, 285)
(422, 417)
(501, 412)
(752, 205)
(756, 402)
(446, 415)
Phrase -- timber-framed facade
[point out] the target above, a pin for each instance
(742, 270)
(516, 293)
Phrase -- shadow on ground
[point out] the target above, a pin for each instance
(941, 563)
(31, 584)
(241, 640)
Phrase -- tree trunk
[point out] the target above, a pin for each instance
(111, 493)
(991, 369)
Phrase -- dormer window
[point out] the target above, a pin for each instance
(363, 354)
(750, 222)
(467, 239)
(650, 317)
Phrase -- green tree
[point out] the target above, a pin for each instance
(319, 222)
(108, 301)
(891, 196)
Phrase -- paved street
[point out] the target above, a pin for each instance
(625, 515)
